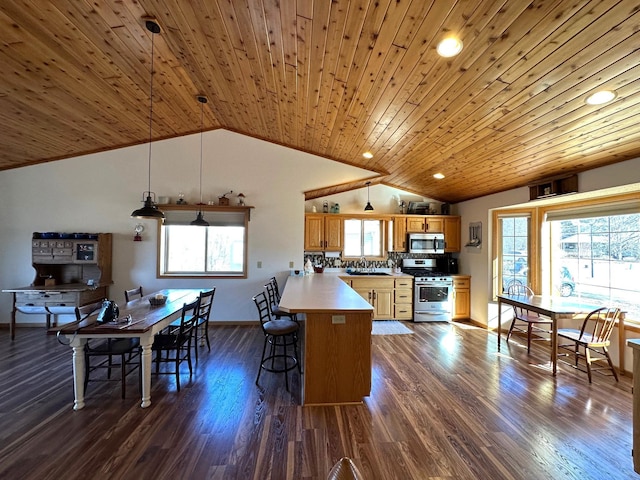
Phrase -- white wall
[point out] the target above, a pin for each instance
(97, 193)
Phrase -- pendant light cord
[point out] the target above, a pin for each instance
(201, 128)
(151, 112)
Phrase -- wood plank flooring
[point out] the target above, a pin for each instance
(444, 405)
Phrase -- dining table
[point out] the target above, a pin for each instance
(138, 318)
(556, 308)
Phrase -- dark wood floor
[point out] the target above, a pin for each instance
(444, 405)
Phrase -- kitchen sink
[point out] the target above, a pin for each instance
(370, 273)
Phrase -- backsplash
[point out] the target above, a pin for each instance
(394, 259)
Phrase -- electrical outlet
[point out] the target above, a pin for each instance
(259, 264)
(290, 264)
(338, 319)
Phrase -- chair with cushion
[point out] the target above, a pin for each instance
(526, 321)
(128, 349)
(175, 341)
(592, 338)
(273, 294)
(345, 469)
(133, 293)
(279, 336)
(201, 330)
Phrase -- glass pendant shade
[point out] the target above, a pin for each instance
(368, 207)
(149, 209)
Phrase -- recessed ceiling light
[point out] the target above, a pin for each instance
(598, 98)
(449, 47)
(439, 176)
(367, 155)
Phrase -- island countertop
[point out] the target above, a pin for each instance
(321, 293)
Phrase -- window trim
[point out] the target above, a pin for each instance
(212, 210)
(383, 237)
(539, 214)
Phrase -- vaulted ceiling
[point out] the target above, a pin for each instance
(334, 78)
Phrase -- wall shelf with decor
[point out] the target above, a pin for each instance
(553, 186)
(194, 207)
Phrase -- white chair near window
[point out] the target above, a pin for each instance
(526, 321)
(593, 338)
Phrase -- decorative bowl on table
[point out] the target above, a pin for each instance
(157, 301)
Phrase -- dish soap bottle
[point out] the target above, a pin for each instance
(308, 268)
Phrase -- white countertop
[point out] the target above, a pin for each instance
(321, 292)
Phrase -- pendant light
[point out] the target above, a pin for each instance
(368, 207)
(200, 221)
(150, 210)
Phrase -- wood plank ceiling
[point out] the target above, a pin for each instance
(334, 78)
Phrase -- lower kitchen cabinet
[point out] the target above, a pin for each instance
(461, 297)
(379, 293)
(391, 297)
(403, 298)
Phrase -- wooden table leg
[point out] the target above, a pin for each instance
(12, 324)
(78, 344)
(145, 343)
(554, 343)
(499, 322)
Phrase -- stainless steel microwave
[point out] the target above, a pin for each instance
(426, 243)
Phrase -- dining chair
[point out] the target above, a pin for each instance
(592, 338)
(279, 335)
(134, 292)
(526, 321)
(201, 330)
(273, 294)
(175, 342)
(128, 349)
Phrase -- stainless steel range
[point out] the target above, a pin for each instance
(432, 294)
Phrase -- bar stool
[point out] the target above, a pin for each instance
(273, 294)
(279, 335)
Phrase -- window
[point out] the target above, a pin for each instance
(598, 258)
(514, 257)
(215, 251)
(363, 238)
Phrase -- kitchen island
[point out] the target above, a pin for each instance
(337, 338)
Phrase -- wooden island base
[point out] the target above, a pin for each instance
(337, 339)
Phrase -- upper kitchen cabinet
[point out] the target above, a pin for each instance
(323, 232)
(425, 223)
(452, 234)
(398, 237)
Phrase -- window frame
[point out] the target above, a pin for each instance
(383, 237)
(532, 247)
(213, 214)
(540, 233)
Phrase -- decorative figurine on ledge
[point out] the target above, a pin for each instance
(223, 200)
(241, 200)
(181, 199)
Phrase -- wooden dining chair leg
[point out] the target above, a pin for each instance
(529, 333)
(587, 356)
(178, 370)
(123, 376)
(613, 370)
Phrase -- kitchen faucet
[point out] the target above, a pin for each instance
(363, 263)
